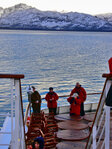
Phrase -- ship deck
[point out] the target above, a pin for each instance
(63, 131)
(73, 131)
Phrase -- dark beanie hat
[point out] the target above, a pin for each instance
(40, 140)
(51, 88)
(33, 87)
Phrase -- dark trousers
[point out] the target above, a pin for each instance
(53, 110)
(82, 113)
(36, 108)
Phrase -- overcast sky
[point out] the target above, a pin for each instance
(83, 6)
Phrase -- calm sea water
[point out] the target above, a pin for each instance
(57, 59)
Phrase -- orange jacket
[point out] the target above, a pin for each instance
(74, 105)
(51, 99)
(110, 64)
(81, 92)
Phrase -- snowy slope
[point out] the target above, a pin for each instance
(107, 16)
(1, 11)
(22, 16)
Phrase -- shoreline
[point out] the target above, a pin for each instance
(34, 29)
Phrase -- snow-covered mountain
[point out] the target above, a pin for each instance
(107, 17)
(22, 16)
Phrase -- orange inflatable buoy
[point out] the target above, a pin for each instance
(28, 121)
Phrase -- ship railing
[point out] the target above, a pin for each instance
(100, 133)
(91, 106)
(12, 134)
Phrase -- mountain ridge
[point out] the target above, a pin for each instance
(22, 16)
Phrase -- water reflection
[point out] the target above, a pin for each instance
(57, 59)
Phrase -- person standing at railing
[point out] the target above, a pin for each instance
(29, 92)
(75, 104)
(36, 101)
(82, 95)
(51, 98)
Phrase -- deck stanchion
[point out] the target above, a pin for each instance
(12, 112)
(94, 137)
(107, 128)
(17, 112)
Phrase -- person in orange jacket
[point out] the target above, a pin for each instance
(82, 95)
(75, 103)
(51, 98)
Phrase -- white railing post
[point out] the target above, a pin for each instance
(22, 141)
(107, 128)
(19, 128)
(12, 114)
(17, 115)
(94, 136)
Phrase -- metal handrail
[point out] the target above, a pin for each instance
(100, 122)
(101, 135)
(1, 132)
(69, 95)
(12, 76)
(7, 114)
(4, 144)
(4, 96)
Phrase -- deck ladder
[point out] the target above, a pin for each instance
(16, 130)
(99, 137)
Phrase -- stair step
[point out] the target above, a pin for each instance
(89, 117)
(71, 145)
(73, 135)
(76, 125)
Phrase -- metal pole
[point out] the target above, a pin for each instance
(107, 128)
(94, 136)
(12, 106)
(17, 116)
